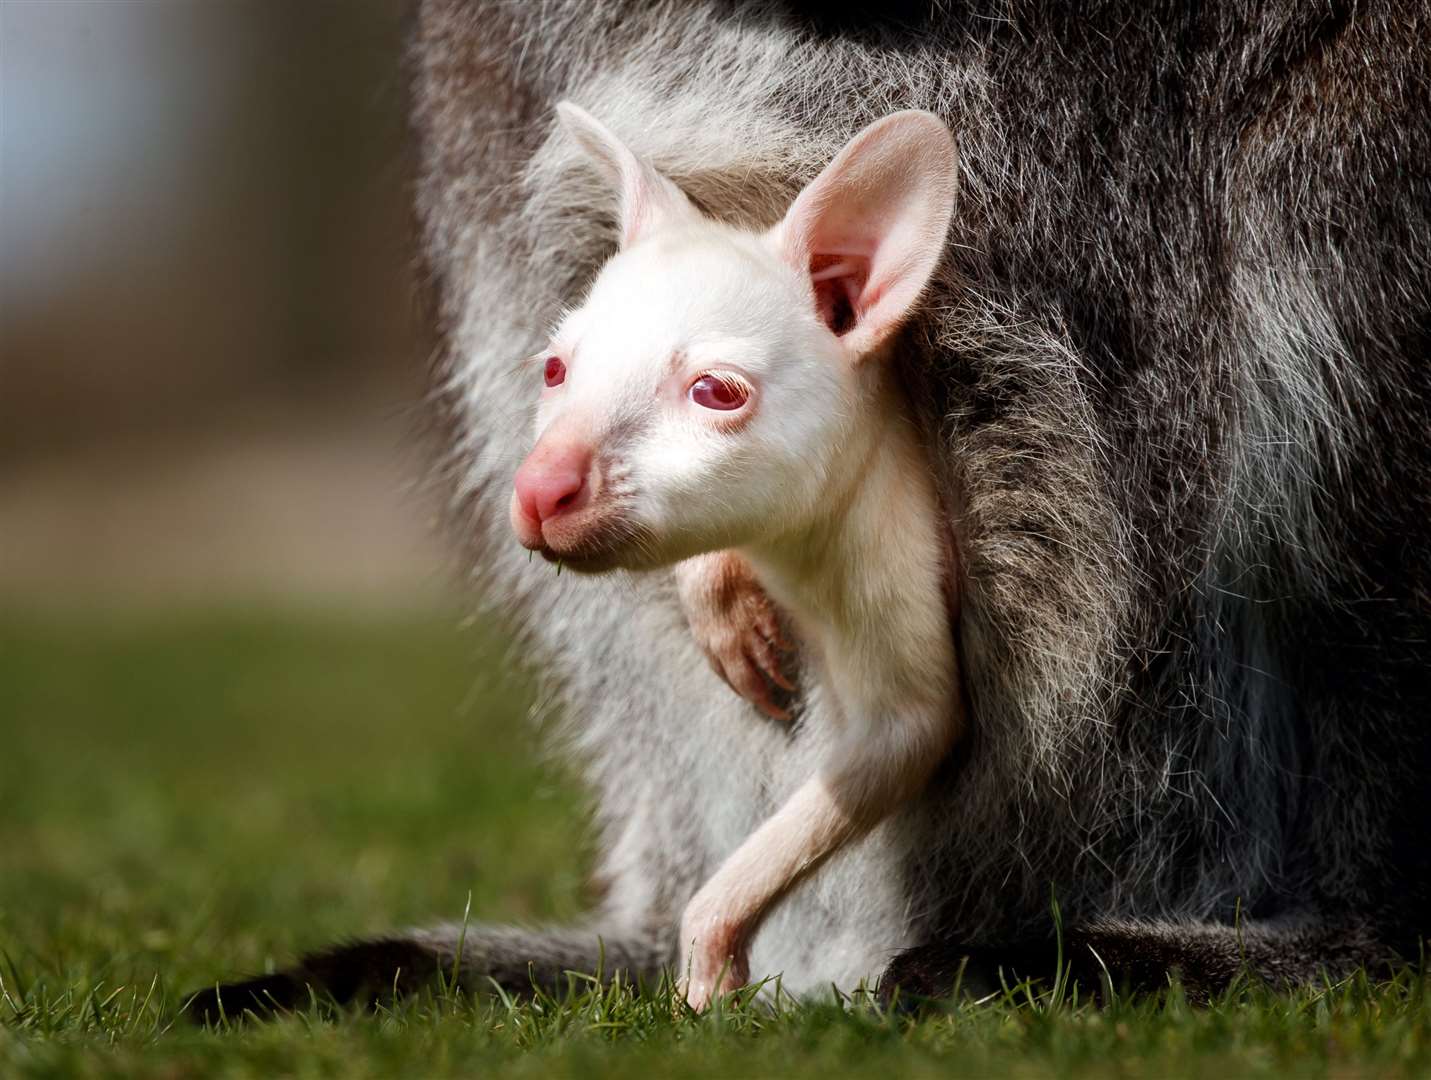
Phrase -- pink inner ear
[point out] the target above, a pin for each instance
(638, 215)
(648, 199)
(839, 281)
(870, 229)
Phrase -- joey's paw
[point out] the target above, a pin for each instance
(737, 626)
(712, 976)
(714, 958)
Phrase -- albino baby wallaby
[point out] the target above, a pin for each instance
(723, 397)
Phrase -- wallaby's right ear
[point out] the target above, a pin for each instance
(648, 199)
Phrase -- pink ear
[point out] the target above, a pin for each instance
(870, 229)
(648, 199)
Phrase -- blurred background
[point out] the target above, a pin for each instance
(209, 356)
(240, 711)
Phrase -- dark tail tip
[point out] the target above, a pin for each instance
(360, 973)
(262, 997)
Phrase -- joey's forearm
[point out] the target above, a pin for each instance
(696, 575)
(843, 801)
(826, 813)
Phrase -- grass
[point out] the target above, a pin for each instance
(184, 797)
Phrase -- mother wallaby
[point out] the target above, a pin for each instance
(1175, 376)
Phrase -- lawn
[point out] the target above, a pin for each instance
(189, 796)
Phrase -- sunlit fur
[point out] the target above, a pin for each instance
(802, 479)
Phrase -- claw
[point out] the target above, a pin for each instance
(769, 627)
(768, 661)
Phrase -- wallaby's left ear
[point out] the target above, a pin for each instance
(648, 199)
(870, 229)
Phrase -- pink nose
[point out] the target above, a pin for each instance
(553, 482)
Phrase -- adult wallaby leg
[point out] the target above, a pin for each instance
(1140, 956)
(512, 958)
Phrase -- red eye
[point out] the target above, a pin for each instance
(554, 372)
(715, 392)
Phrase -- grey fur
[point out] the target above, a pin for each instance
(1175, 374)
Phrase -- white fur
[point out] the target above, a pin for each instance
(819, 480)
